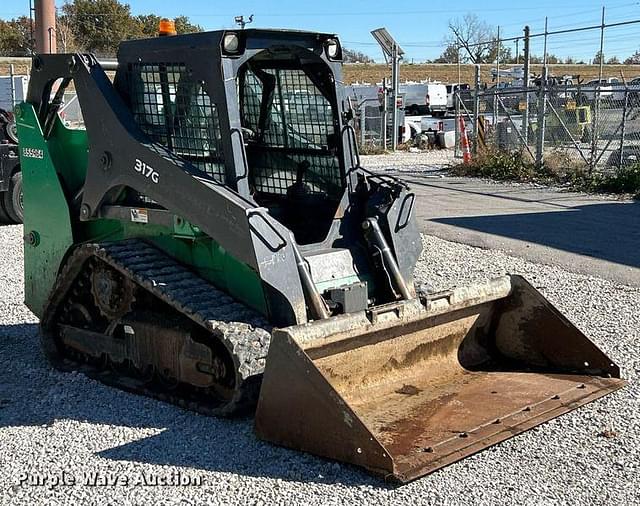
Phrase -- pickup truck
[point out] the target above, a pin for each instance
(603, 87)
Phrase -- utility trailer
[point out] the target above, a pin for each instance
(10, 184)
(10, 176)
(13, 90)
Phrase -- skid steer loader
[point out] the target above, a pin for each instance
(210, 238)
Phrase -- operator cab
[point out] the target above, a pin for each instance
(289, 157)
(291, 134)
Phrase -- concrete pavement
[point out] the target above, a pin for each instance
(583, 233)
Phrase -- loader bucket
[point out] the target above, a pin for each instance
(406, 391)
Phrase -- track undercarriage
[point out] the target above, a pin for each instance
(128, 315)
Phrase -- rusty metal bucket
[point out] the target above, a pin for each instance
(406, 391)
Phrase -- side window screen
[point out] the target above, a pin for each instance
(174, 110)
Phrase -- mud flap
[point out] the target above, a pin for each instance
(406, 391)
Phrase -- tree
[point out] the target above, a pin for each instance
(502, 50)
(634, 59)
(64, 35)
(15, 37)
(449, 55)
(553, 59)
(613, 61)
(478, 40)
(597, 58)
(183, 25)
(352, 56)
(149, 25)
(99, 25)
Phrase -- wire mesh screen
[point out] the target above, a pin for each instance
(369, 126)
(174, 110)
(290, 122)
(617, 128)
(252, 94)
(568, 126)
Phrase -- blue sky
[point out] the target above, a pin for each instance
(419, 28)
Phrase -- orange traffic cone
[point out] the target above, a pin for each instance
(464, 140)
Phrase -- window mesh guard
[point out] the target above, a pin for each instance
(298, 121)
(174, 110)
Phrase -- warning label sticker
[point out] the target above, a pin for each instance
(139, 216)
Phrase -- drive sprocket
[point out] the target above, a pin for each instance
(113, 293)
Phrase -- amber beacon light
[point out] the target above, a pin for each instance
(166, 27)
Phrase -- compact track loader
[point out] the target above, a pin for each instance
(210, 238)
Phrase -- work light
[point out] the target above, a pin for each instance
(332, 48)
(231, 43)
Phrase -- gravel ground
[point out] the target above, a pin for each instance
(56, 430)
(403, 161)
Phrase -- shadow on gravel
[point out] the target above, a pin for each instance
(232, 447)
(32, 394)
(607, 231)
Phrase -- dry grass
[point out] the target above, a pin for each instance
(449, 72)
(435, 71)
(20, 66)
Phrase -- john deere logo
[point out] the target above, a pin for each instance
(33, 153)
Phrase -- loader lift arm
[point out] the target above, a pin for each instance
(117, 147)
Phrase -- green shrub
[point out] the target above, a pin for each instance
(500, 165)
(558, 169)
(624, 180)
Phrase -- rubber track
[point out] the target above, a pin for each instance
(244, 332)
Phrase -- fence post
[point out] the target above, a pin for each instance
(597, 97)
(525, 113)
(623, 128)
(12, 85)
(498, 56)
(395, 77)
(476, 108)
(542, 118)
(362, 112)
(384, 119)
(456, 127)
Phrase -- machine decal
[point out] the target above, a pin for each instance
(33, 153)
(146, 170)
(139, 216)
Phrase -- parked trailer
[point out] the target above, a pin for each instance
(13, 89)
(452, 89)
(10, 184)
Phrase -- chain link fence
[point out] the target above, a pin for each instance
(369, 121)
(563, 126)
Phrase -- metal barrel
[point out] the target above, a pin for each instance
(404, 390)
